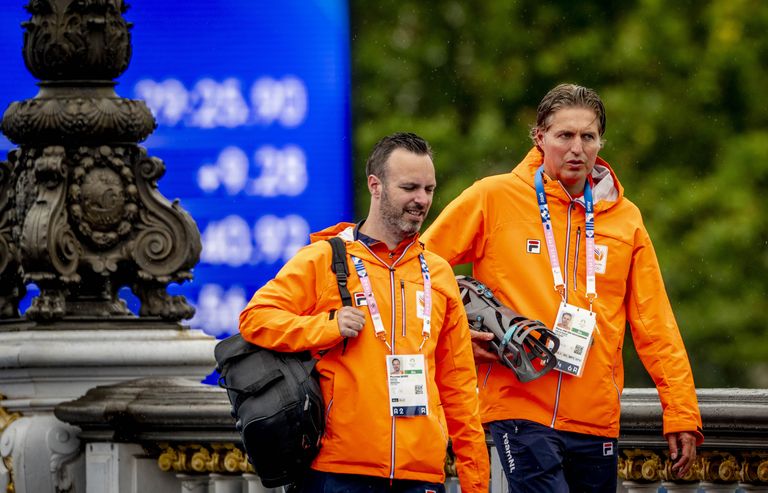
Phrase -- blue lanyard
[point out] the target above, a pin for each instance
(549, 237)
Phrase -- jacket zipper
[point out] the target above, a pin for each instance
(402, 310)
(394, 351)
(327, 416)
(616, 358)
(565, 259)
(487, 374)
(393, 312)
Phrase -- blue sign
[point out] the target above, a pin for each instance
(252, 104)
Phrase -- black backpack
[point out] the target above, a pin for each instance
(276, 398)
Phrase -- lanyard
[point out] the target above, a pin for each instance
(373, 307)
(426, 326)
(549, 237)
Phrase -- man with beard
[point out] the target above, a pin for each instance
(384, 432)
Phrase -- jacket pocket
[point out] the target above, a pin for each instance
(403, 311)
(326, 384)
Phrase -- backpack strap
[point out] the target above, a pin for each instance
(339, 267)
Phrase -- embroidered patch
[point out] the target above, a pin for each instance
(607, 448)
(533, 246)
(601, 258)
(360, 299)
(420, 304)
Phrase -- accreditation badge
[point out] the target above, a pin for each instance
(574, 327)
(407, 376)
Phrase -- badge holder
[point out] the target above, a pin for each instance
(407, 383)
(574, 327)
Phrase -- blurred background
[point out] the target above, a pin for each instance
(684, 84)
(252, 89)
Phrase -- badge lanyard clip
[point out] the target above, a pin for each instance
(370, 299)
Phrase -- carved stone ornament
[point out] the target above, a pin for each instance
(56, 117)
(80, 212)
(12, 288)
(208, 458)
(77, 40)
(645, 466)
(6, 446)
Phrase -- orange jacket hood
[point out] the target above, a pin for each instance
(607, 189)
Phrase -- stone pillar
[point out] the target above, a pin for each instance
(81, 216)
(193, 484)
(80, 212)
(640, 487)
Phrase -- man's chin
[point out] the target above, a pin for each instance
(411, 227)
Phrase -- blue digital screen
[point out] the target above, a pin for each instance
(252, 104)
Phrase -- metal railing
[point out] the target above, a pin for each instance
(182, 433)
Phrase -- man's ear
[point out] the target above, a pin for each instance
(538, 137)
(374, 186)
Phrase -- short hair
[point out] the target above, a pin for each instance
(377, 161)
(568, 96)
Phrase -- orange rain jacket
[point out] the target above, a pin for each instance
(296, 311)
(495, 224)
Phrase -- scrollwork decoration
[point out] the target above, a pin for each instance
(82, 39)
(718, 467)
(6, 447)
(220, 458)
(81, 215)
(12, 288)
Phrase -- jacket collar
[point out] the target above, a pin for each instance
(606, 191)
(369, 249)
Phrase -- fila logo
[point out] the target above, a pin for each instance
(533, 246)
(607, 448)
(360, 299)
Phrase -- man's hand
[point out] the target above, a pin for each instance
(682, 451)
(480, 347)
(351, 321)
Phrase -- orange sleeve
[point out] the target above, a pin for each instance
(456, 379)
(458, 233)
(287, 313)
(658, 341)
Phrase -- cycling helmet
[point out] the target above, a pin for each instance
(526, 346)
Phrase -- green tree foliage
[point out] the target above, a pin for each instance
(684, 86)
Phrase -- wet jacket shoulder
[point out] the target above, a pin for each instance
(283, 314)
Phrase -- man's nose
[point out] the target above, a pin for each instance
(577, 146)
(421, 197)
